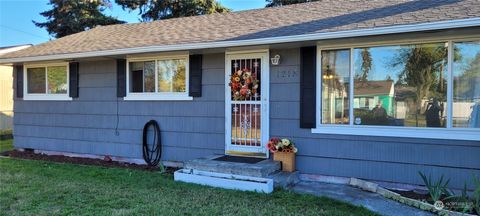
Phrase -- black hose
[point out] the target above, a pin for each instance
(152, 156)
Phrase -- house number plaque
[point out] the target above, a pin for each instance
(287, 74)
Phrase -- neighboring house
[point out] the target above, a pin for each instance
(368, 94)
(91, 93)
(6, 89)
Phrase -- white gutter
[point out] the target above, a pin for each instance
(450, 24)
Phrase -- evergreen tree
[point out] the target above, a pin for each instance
(276, 3)
(165, 9)
(73, 16)
(366, 64)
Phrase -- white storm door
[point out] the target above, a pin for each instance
(246, 104)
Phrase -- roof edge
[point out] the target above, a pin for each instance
(9, 49)
(449, 24)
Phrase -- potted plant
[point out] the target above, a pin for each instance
(284, 151)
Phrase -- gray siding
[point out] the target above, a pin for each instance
(374, 158)
(191, 129)
(87, 124)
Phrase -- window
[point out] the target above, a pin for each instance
(401, 85)
(404, 90)
(159, 78)
(335, 79)
(466, 85)
(171, 75)
(48, 82)
(142, 76)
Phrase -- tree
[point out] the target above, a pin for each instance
(276, 3)
(366, 64)
(73, 16)
(465, 83)
(422, 69)
(165, 9)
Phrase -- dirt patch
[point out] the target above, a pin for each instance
(85, 161)
(413, 195)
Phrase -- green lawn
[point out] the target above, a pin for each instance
(6, 145)
(46, 188)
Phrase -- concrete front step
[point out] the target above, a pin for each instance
(285, 180)
(260, 169)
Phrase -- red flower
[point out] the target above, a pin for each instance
(275, 140)
(244, 90)
(271, 147)
(235, 86)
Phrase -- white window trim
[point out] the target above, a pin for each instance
(391, 131)
(45, 96)
(158, 96)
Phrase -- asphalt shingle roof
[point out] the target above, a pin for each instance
(299, 19)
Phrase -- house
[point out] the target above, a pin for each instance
(91, 93)
(367, 95)
(6, 89)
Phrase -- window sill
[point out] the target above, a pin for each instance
(156, 97)
(44, 97)
(472, 134)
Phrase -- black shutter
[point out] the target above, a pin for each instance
(121, 78)
(195, 76)
(308, 67)
(73, 68)
(19, 76)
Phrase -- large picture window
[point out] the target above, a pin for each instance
(424, 85)
(158, 79)
(46, 82)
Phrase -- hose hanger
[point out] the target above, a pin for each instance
(152, 155)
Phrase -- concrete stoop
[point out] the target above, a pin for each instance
(218, 173)
(285, 180)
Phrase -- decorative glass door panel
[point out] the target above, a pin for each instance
(245, 105)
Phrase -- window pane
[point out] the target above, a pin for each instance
(466, 85)
(335, 79)
(401, 85)
(171, 75)
(36, 80)
(142, 76)
(57, 80)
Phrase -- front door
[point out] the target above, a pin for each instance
(246, 104)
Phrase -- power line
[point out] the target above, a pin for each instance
(21, 31)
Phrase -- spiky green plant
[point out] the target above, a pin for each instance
(436, 189)
(463, 203)
(476, 194)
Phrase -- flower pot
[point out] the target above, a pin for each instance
(287, 160)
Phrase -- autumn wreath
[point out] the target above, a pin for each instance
(243, 84)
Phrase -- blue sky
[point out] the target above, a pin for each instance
(16, 17)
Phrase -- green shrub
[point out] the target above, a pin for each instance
(436, 189)
(6, 131)
(476, 194)
(462, 201)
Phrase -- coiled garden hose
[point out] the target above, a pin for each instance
(152, 155)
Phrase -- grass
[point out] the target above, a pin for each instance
(6, 145)
(46, 188)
